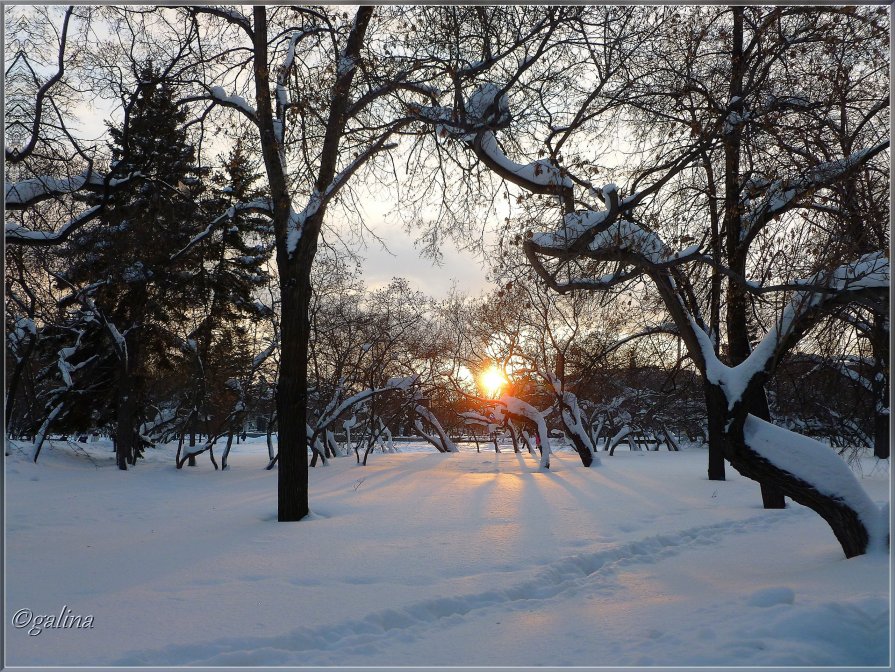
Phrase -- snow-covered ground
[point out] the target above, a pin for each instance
(423, 558)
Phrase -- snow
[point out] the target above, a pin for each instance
(768, 597)
(539, 172)
(346, 64)
(481, 101)
(814, 463)
(295, 225)
(119, 339)
(25, 191)
(17, 232)
(23, 329)
(784, 193)
(620, 234)
(518, 407)
(219, 94)
(423, 558)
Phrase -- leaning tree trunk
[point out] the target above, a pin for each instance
(227, 449)
(845, 522)
(574, 429)
(587, 457)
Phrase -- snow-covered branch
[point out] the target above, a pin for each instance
(261, 206)
(869, 274)
(231, 15)
(27, 193)
(235, 101)
(328, 417)
(516, 408)
(441, 441)
(318, 200)
(783, 195)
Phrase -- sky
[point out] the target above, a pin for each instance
(456, 268)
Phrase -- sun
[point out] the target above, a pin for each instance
(492, 381)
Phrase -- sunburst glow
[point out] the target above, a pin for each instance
(492, 381)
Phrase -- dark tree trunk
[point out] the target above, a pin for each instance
(294, 265)
(269, 440)
(191, 458)
(125, 416)
(513, 437)
(227, 449)
(587, 457)
(881, 447)
(292, 481)
(716, 410)
(772, 497)
(737, 299)
(583, 451)
(853, 536)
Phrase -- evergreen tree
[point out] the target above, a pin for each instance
(232, 268)
(132, 290)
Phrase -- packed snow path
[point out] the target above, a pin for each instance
(421, 558)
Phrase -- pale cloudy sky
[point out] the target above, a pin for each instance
(460, 268)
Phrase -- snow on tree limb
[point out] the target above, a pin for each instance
(17, 234)
(262, 206)
(219, 95)
(867, 274)
(783, 195)
(231, 15)
(815, 463)
(331, 415)
(442, 441)
(296, 223)
(26, 193)
(514, 406)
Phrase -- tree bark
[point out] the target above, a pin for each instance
(716, 411)
(191, 458)
(772, 497)
(227, 449)
(292, 388)
(584, 452)
(849, 529)
(738, 343)
(125, 414)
